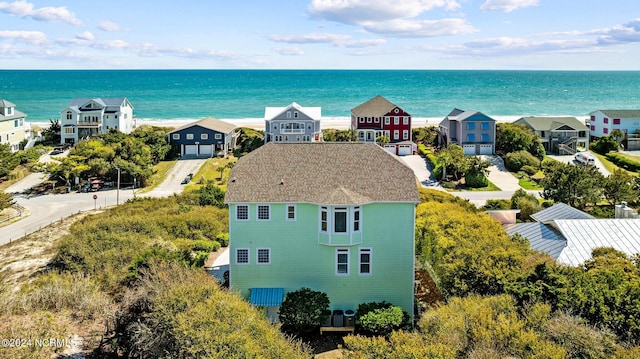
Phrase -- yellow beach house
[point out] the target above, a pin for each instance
(12, 127)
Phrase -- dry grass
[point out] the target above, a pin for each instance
(21, 260)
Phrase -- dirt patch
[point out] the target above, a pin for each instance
(22, 259)
(427, 293)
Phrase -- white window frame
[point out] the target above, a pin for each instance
(325, 221)
(405, 120)
(387, 121)
(396, 120)
(356, 212)
(258, 250)
(369, 119)
(376, 120)
(335, 211)
(286, 212)
(362, 251)
(238, 211)
(248, 256)
(217, 136)
(405, 134)
(262, 206)
(189, 136)
(396, 134)
(361, 119)
(204, 136)
(340, 251)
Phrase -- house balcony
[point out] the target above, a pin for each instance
(89, 123)
(292, 131)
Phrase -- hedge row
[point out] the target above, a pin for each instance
(624, 162)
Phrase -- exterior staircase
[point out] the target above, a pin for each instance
(567, 145)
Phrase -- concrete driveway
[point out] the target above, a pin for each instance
(173, 183)
(421, 169)
(499, 175)
(571, 160)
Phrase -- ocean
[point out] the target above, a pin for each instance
(187, 95)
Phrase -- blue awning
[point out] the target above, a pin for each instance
(266, 297)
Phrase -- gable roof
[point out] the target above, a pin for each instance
(584, 235)
(460, 115)
(560, 211)
(551, 123)
(620, 113)
(211, 123)
(5, 104)
(314, 113)
(322, 172)
(375, 107)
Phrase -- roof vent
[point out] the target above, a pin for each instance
(281, 182)
(233, 180)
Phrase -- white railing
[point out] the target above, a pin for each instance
(292, 131)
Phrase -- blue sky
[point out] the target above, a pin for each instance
(320, 34)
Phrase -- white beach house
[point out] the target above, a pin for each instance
(86, 117)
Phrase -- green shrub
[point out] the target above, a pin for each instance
(497, 204)
(303, 311)
(624, 162)
(223, 239)
(514, 161)
(381, 321)
(476, 180)
(530, 170)
(604, 145)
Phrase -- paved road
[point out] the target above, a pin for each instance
(46, 209)
(422, 170)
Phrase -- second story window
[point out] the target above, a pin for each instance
(69, 116)
(485, 126)
(189, 136)
(405, 120)
(204, 136)
(471, 126)
(291, 212)
(242, 255)
(340, 220)
(264, 212)
(242, 212)
(175, 136)
(342, 261)
(356, 219)
(324, 217)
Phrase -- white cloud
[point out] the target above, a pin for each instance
(108, 26)
(507, 5)
(86, 35)
(22, 8)
(31, 37)
(337, 40)
(420, 28)
(392, 18)
(356, 11)
(288, 51)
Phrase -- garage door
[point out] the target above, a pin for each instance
(205, 150)
(390, 148)
(190, 149)
(404, 150)
(486, 149)
(469, 149)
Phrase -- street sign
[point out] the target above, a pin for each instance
(95, 196)
(95, 202)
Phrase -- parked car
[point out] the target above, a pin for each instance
(585, 159)
(187, 179)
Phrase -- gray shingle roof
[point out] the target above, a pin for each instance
(110, 101)
(584, 235)
(551, 123)
(325, 173)
(210, 123)
(375, 107)
(560, 211)
(314, 113)
(5, 104)
(621, 113)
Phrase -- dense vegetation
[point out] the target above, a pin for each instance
(130, 281)
(102, 156)
(507, 301)
(512, 137)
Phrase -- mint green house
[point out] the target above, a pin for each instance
(334, 217)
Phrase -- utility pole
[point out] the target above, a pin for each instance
(118, 189)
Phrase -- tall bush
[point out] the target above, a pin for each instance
(514, 161)
(303, 310)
